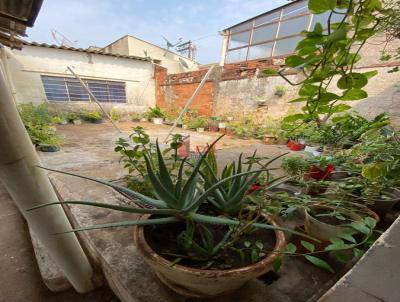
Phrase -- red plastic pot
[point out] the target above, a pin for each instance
(294, 146)
(318, 174)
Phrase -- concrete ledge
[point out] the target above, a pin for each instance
(52, 276)
(376, 276)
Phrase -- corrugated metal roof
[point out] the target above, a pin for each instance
(15, 16)
(91, 51)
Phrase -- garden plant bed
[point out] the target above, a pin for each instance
(114, 249)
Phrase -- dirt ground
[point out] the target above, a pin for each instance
(91, 144)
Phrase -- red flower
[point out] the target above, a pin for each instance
(254, 187)
(319, 174)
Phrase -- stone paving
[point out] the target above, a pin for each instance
(88, 149)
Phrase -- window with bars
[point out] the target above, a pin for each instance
(273, 34)
(62, 89)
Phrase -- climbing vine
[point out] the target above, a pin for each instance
(326, 56)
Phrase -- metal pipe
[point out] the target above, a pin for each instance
(189, 101)
(29, 186)
(93, 97)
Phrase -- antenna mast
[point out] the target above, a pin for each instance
(187, 49)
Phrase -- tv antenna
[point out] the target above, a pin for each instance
(61, 40)
(187, 49)
(171, 45)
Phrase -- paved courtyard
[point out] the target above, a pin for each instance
(87, 148)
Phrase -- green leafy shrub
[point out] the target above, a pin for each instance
(154, 112)
(92, 116)
(198, 122)
(136, 117)
(295, 166)
(115, 115)
(133, 154)
(39, 124)
(71, 116)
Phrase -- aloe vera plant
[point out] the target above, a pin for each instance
(236, 179)
(179, 200)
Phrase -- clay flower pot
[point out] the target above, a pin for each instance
(158, 121)
(322, 230)
(199, 283)
(269, 139)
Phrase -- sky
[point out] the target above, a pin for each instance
(100, 22)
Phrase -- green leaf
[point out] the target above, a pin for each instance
(342, 257)
(254, 256)
(373, 171)
(337, 35)
(321, 6)
(298, 100)
(353, 80)
(127, 209)
(357, 253)
(340, 108)
(270, 71)
(294, 61)
(319, 263)
(359, 226)
(354, 94)
(259, 245)
(294, 117)
(154, 221)
(309, 246)
(277, 264)
(370, 74)
(370, 222)
(247, 244)
(144, 199)
(346, 236)
(318, 29)
(308, 90)
(291, 248)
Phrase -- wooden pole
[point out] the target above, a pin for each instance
(29, 186)
(190, 100)
(93, 97)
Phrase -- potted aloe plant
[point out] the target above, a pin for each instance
(198, 233)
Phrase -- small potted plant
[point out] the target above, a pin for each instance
(198, 124)
(280, 90)
(92, 116)
(73, 117)
(261, 101)
(136, 117)
(115, 115)
(325, 222)
(156, 115)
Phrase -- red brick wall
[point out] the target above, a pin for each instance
(180, 87)
(203, 103)
(175, 89)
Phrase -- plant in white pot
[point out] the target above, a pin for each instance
(156, 115)
(198, 234)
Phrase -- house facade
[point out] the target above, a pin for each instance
(39, 73)
(133, 46)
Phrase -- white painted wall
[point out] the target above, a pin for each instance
(132, 46)
(27, 65)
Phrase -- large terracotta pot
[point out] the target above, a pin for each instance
(322, 230)
(198, 283)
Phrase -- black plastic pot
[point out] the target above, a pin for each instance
(383, 206)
